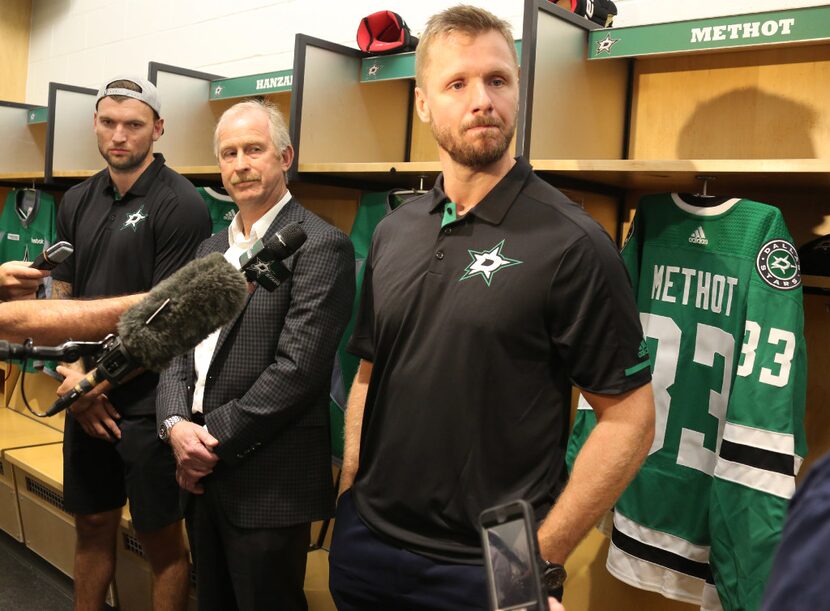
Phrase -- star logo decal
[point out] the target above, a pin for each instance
(604, 45)
(218, 91)
(374, 69)
(782, 264)
(261, 268)
(134, 218)
(486, 263)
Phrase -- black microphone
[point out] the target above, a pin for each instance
(262, 262)
(176, 315)
(67, 351)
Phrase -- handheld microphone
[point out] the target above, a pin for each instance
(262, 263)
(176, 315)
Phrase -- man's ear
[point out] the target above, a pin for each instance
(422, 105)
(287, 158)
(158, 129)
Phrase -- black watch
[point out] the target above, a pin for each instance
(553, 575)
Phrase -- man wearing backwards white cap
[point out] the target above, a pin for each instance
(132, 225)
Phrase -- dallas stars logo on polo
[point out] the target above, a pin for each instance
(487, 262)
(777, 264)
(134, 219)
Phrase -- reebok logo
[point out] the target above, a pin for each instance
(698, 237)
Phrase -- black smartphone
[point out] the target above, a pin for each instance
(511, 557)
(52, 256)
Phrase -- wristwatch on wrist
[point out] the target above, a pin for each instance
(167, 426)
(553, 575)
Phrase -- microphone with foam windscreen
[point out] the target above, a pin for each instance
(262, 263)
(176, 315)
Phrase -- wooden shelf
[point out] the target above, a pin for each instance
(198, 170)
(36, 176)
(75, 173)
(394, 174)
(816, 282)
(682, 174)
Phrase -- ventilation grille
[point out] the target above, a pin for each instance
(131, 544)
(44, 493)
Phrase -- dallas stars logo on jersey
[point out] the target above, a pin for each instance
(777, 264)
(487, 262)
(134, 219)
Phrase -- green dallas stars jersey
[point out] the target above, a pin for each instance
(27, 227)
(27, 224)
(221, 208)
(373, 207)
(719, 294)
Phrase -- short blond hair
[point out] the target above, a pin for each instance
(276, 122)
(463, 18)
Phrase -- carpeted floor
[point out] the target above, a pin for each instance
(29, 583)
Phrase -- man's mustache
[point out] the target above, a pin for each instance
(249, 177)
(482, 122)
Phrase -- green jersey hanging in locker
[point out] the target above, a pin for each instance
(373, 207)
(719, 294)
(27, 224)
(27, 227)
(221, 207)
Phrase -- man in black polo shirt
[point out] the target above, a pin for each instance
(132, 225)
(483, 301)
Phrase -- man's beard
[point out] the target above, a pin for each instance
(487, 148)
(125, 163)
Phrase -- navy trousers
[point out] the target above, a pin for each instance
(369, 574)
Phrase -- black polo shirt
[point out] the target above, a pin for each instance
(476, 328)
(127, 243)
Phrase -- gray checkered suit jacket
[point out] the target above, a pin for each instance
(267, 389)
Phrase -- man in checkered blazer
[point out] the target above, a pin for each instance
(246, 412)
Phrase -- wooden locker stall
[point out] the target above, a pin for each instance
(751, 123)
(24, 129)
(71, 146)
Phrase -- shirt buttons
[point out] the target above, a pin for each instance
(439, 255)
(447, 229)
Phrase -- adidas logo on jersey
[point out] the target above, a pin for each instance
(229, 215)
(698, 237)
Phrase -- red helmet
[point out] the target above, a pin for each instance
(384, 32)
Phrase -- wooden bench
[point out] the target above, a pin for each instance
(48, 529)
(17, 431)
(40, 393)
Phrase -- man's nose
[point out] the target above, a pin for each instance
(480, 98)
(241, 162)
(119, 134)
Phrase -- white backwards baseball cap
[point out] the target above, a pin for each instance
(148, 94)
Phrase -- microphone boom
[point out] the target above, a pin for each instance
(176, 315)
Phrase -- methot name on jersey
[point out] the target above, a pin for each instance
(693, 287)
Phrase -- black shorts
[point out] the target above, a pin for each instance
(99, 475)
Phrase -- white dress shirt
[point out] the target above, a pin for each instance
(237, 245)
